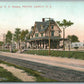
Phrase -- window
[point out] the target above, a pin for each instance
(52, 33)
(41, 34)
(76, 45)
(41, 26)
(36, 35)
(52, 27)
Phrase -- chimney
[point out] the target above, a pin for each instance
(43, 19)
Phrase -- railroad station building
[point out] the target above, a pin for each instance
(39, 35)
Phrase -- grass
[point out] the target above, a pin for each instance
(7, 50)
(8, 76)
(68, 54)
(34, 73)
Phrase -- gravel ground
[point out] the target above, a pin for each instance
(52, 72)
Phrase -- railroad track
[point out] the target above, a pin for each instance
(52, 72)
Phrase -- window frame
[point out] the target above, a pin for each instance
(52, 34)
(41, 34)
(52, 26)
(36, 34)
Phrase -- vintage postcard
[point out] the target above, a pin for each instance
(41, 41)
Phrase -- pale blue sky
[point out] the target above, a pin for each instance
(24, 18)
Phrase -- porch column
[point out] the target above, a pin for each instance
(40, 44)
(31, 43)
(57, 44)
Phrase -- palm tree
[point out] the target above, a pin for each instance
(64, 24)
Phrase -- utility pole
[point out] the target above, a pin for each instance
(49, 33)
(11, 48)
(4, 40)
(49, 36)
(63, 38)
(12, 41)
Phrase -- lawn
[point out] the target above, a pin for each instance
(54, 53)
(7, 50)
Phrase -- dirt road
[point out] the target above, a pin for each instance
(74, 64)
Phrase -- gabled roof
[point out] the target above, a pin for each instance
(44, 24)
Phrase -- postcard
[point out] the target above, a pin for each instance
(41, 41)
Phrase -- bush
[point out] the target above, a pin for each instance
(76, 47)
(54, 53)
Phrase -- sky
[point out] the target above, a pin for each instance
(24, 14)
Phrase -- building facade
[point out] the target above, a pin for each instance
(77, 44)
(39, 35)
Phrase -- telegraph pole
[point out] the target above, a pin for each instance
(4, 40)
(12, 41)
(49, 36)
(63, 39)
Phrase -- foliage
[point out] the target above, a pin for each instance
(5, 50)
(64, 23)
(73, 38)
(15, 50)
(17, 34)
(1, 43)
(68, 54)
(76, 47)
(8, 37)
(24, 34)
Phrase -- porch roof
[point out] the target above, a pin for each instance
(46, 38)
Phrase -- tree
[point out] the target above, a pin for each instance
(64, 24)
(73, 38)
(9, 37)
(27, 34)
(24, 35)
(1, 43)
(17, 36)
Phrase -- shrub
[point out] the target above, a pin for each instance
(76, 47)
